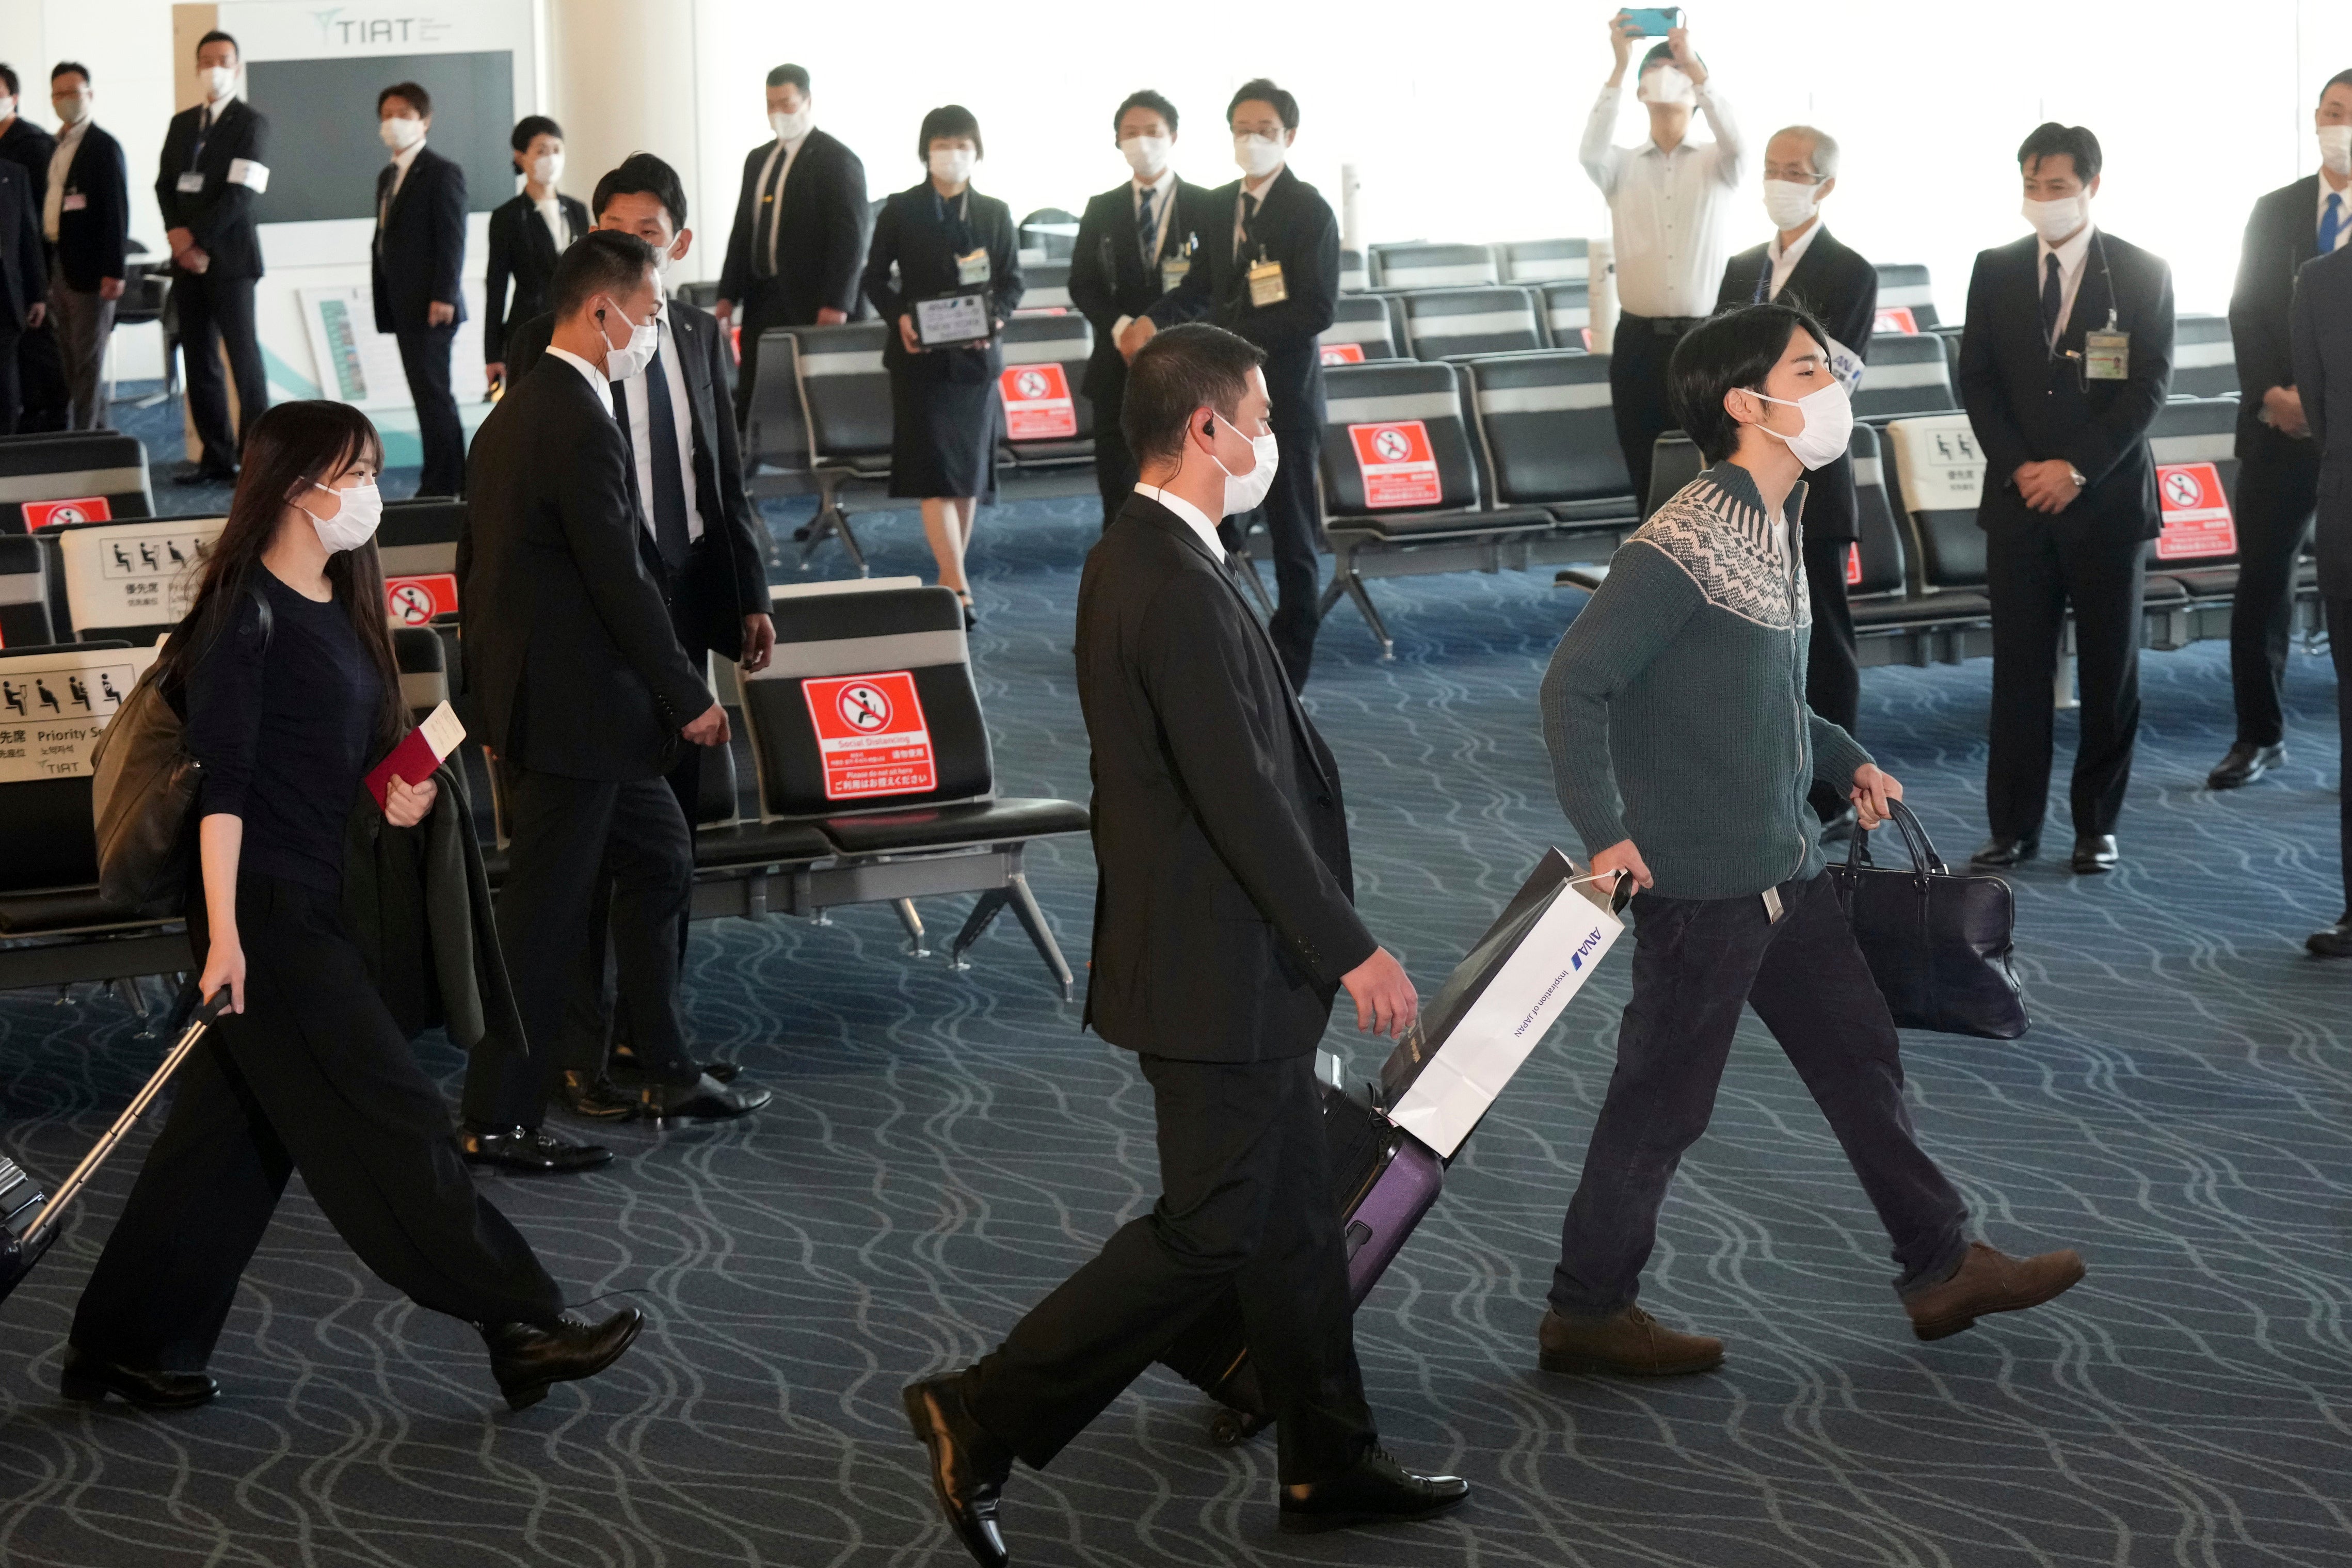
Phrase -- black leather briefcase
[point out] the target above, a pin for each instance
(1938, 944)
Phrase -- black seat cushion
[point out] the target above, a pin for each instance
(757, 843)
(2206, 582)
(66, 909)
(1927, 610)
(1404, 526)
(988, 822)
(2163, 591)
(1603, 508)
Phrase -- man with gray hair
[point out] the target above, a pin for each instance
(1803, 264)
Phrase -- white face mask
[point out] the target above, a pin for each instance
(2335, 148)
(1243, 492)
(1667, 84)
(1259, 156)
(547, 168)
(399, 132)
(2053, 221)
(352, 523)
(952, 164)
(791, 127)
(7, 106)
(73, 108)
(217, 79)
(1788, 204)
(663, 262)
(1829, 423)
(1147, 155)
(623, 360)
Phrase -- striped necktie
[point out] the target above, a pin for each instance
(1147, 226)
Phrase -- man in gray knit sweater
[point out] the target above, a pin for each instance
(1683, 749)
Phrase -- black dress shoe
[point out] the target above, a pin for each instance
(2244, 763)
(595, 1097)
(201, 474)
(968, 1466)
(90, 1380)
(2336, 941)
(704, 1100)
(1379, 1490)
(527, 1360)
(533, 1150)
(2095, 853)
(1997, 854)
(624, 1060)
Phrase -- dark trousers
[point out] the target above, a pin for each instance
(1245, 1205)
(314, 1076)
(1116, 470)
(1637, 396)
(1833, 672)
(569, 835)
(2033, 574)
(2339, 647)
(12, 393)
(2276, 498)
(214, 312)
(41, 379)
(425, 355)
(1294, 525)
(1694, 963)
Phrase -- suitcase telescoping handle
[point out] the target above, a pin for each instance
(36, 1233)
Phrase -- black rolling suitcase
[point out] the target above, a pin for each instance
(29, 1218)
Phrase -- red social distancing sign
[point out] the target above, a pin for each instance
(1895, 318)
(1853, 565)
(41, 514)
(1343, 353)
(871, 736)
(416, 601)
(1397, 465)
(2196, 513)
(1037, 406)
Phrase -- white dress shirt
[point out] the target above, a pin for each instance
(400, 162)
(1251, 189)
(641, 445)
(53, 204)
(1163, 191)
(2070, 256)
(551, 213)
(1667, 210)
(771, 217)
(595, 378)
(2343, 207)
(1784, 262)
(1195, 518)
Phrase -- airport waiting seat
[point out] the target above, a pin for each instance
(1050, 233)
(842, 436)
(1938, 479)
(1452, 324)
(2204, 362)
(1675, 461)
(914, 813)
(1539, 261)
(54, 479)
(1550, 439)
(417, 545)
(1353, 279)
(1418, 265)
(1047, 424)
(1568, 316)
(1905, 375)
(130, 581)
(2194, 443)
(1046, 286)
(1401, 484)
(24, 593)
(1364, 327)
(1905, 286)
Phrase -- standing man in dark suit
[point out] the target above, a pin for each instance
(86, 220)
(2321, 333)
(527, 232)
(40, 367)
(2278, 463)
(699, 542)
(1272, 275)
(1225, 926)
(23, 282)
(1803, 264)
(575, 680)
(418, 257)
(798, 246)
(2064, 363)
(215, 161)
(1135, 243)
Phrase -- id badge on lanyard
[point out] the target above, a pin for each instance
(1172, 272)
(1265, 284)
(2106, 355)
(973, 267)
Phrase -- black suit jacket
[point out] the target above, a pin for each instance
(220, 214)
(2028, 403)
(2281, 236)
(30, 148)
(1108, 277)
(419, 252)
(2320, 334)
(93, 239)
(24, 273)
(522, 253)
(1294, 227)
(571, 663)
(821, 243)
(922, 236)
(1224, 912)
(1841, 289)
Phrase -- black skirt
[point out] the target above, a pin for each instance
(943, 426)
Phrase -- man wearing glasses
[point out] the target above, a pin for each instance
(1803, 264)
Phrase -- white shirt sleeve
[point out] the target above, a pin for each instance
(1600, 159)
(1730, 154)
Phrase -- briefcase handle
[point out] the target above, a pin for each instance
(1914, 838)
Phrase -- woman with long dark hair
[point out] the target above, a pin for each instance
(284, 671)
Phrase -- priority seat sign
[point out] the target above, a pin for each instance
(2197, 524)
(1398, 466)
(871, 736)
(1037, 406)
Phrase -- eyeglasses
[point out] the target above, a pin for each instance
(1792, 174)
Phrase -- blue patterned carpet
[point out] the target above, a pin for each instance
(944, 1147)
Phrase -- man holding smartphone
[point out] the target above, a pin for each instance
(1669, 202)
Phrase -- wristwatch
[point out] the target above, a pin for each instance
(2075, 474)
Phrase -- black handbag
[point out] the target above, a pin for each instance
(1938, 944)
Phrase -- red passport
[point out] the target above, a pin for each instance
(421, 751)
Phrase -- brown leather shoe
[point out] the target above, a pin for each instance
(1989, 1280)
(1630, 1344)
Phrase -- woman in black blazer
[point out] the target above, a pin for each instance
(940, 236)
(524, 243)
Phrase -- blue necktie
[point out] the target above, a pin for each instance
(1146, 231)
(2053, 297)
(2331, 223)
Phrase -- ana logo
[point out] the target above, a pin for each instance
(864, 708)
(1393, 445)
(1592, 940)
(2182, 490)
